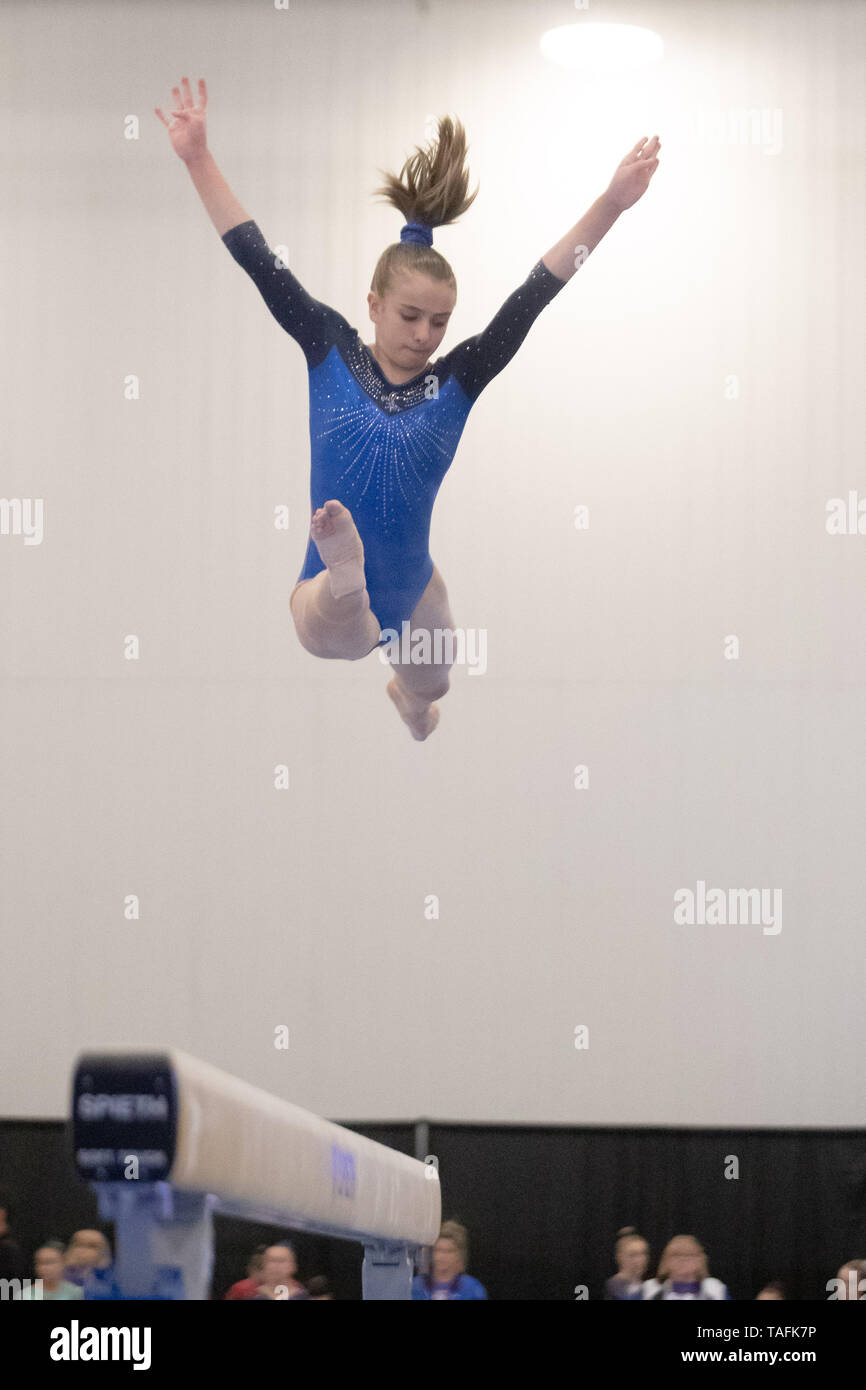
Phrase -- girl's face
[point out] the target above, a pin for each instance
(48, 1264)
(684, 1261)
(412, 318)
(447, 1263)
(633, 1259)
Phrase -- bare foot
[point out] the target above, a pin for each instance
(341, 548)
(421, 717)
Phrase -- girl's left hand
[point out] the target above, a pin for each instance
(632, 176)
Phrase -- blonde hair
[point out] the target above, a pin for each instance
(663, 1269)
(452, 1230)
(431, 189)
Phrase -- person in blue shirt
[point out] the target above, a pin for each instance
(448, 1278)
(385, 418)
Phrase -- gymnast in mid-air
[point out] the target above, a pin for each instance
(385, 419)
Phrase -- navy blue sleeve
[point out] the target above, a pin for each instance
(315, 326)
(476, 361)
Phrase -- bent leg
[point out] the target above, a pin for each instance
(333, 627)
(332, 611)
(415, 686)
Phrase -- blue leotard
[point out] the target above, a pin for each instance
(379, 448)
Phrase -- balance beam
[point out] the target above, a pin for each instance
(166, 1140)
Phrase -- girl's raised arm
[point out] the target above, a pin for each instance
(188, 136)
(630, 182)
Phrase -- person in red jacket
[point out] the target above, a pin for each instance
(249, 1287)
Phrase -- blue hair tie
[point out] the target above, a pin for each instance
(417, 231)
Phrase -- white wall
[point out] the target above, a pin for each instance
(606, 647)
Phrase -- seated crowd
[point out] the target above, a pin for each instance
(66, 1269)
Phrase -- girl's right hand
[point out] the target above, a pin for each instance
(186, 130)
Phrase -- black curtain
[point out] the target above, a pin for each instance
(543, 1205)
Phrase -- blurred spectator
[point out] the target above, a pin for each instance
(775, 1289)
(682, 1273)
(12, 1262)
(48, 1263)
(632, 1257)
(279, 1267)
(448, 1277)
(249, 1287)
(88, 1251)
(319, 1289)
(851, 1280)
(316, 1291)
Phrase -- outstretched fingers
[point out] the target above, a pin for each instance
(177, 115)
(188, 104)
(183, 101)
(643, 150)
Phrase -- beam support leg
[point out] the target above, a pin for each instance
(163, 1238)
(387, 1272)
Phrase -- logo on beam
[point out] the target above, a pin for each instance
(343, 1173)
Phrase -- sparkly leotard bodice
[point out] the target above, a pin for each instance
(379, 448)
